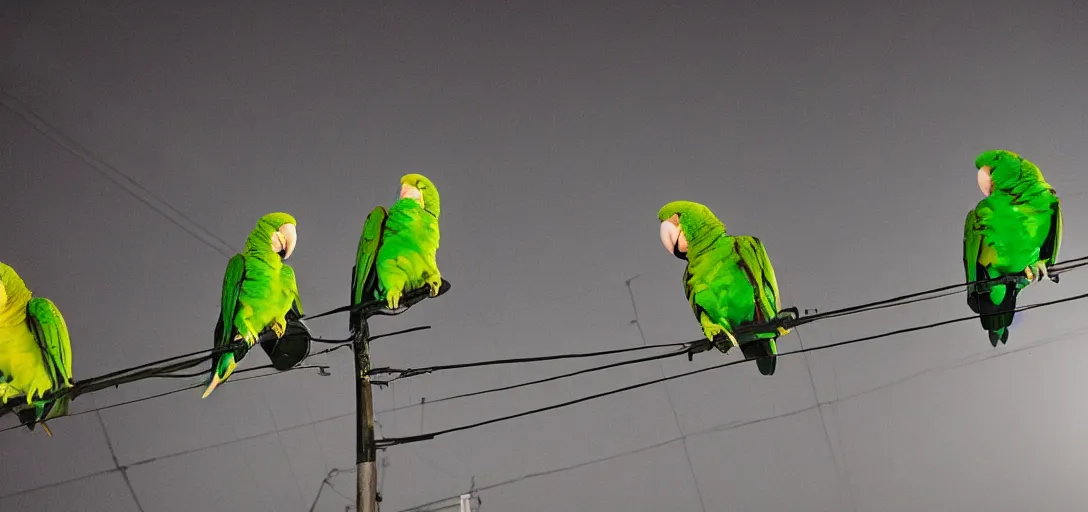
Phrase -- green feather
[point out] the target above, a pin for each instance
(397, 250)
(729, 280)
(364, 277)
(1018, 225)
(258, 291)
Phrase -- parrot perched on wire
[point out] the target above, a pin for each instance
(35, 352)
(1014, 232)
(729, 280)
(259, 291)
(397, 249)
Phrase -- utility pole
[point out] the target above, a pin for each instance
(366, 493)
(366, 450)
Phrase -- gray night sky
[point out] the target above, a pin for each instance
(842, 134)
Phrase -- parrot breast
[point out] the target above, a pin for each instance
(1015, 230)
(21, 362)
(721, 282)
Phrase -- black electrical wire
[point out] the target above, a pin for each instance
(1054, 270)
(767, 327)
(321, 368)
(609, 366)
(409, 372)
(372, 338)
(385, 442)
(158, 368)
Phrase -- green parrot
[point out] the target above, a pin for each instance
(1013, 232)
(729, 281)
(35, 351)
(259, 290)
(397, 250)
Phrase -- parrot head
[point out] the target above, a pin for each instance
(1003, 170)
(276, 229)
(420, 189)
(685, 222)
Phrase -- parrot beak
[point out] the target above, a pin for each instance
(409, 192)
(985, 184)
(673, 238)
(284, 240)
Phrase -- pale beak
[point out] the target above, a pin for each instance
(672, 237)
(410, 192)
(285, 240)
(985, 184)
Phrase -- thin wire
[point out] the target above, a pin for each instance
(767, 327)
(541, 381)
(112, 174)
(577, 355)
(372, 338)
(320, 368)
(385, 442)
(155, 369)
(1054, 270)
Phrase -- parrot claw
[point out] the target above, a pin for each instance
(732, 339)
(393, 299)
(279, 327)
(435, 287)
(1036, 272)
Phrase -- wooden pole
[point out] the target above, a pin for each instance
(365, 451)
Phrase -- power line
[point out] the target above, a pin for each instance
(540, 381)
(1054, 271)
(577, 355)
(113, 175)
(320, 368)
(943, 291)
(167, 367)
(734, 424)
(424, 437)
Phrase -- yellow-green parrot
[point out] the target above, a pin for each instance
(35, 352)
(397, 252)
(259, 290)
(729, 280)
(1016, 230)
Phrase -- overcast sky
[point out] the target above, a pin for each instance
(841, 133)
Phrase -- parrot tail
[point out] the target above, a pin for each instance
(761, 349)
(222, 371)
(996, 318)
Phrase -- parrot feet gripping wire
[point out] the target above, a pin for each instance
(279, 327)
(435, 287)
(1037, 271)
(786, 319)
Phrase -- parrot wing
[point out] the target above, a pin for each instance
(46, 323)
(288, 275)
(972, 245)
(228, 308)
(978, 257)
(49, 330)
(364, 276)
(1053, 242)
(757, 266)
